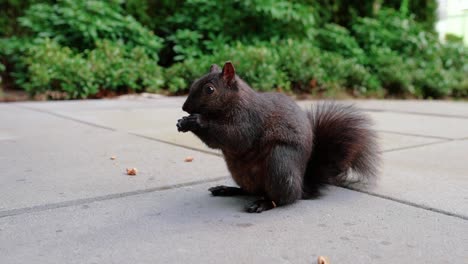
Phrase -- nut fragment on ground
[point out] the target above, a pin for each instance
(112, 158)
(188, 159)
(132, 171)
(323, 260)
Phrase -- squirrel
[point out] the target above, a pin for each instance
(274, 149)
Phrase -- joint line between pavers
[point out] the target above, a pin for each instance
(68, 118)
(412, 204)
(413, 135)
(45, 207)
(418, 146)
(414, 113)
(116, 130)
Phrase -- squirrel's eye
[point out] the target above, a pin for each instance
(209, 89)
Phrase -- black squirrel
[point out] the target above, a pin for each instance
(273, 148)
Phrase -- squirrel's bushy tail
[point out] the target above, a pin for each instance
(343, 142)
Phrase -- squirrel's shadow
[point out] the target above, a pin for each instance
(194, 205)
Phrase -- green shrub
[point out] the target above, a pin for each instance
(309, 67)
(82, 48)
(79, 24)
(110, 67)
(97, 47)
(279, 65)
(409, 60)
(190, 36)
(392, 70)
(346, 74)
(2, 71)
(301, 62)
(393, 30)
(9, 11)
(454, 56)
(52, 67)
(445, 74)
(452, 38)
(460, 89)
(256, 64)
(186, 44)
(433, 81)
(180, 75)
(424, 11)
(10, 56)
(358, 79)
(342, 12)
(118, 69)
(338, 39)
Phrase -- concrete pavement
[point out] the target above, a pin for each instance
(63, 200)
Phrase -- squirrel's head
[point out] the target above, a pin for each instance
(214, 92)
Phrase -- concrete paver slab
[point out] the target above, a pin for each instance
(186, 225)
(434, 176)
(421, 107)
(48, 159)
(157, 123)
(105, 104)
(440, 108)
(429, 118)
(392, 142)
(429, 126)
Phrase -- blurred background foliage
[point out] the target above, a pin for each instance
(69, 49)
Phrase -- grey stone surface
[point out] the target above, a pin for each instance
(392, 142)
(48, 159)
(186, 225)
(157, 123)
(438, 108)
(422, 118)
(155, 118)
(62, 200)
(106, 104)
(434, 176)
(421, 107)
(425, 126)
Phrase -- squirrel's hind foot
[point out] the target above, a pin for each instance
(260, 206)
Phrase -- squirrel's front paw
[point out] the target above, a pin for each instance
(182, 124)
(188, 123)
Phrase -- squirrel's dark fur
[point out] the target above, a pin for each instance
(272, 147)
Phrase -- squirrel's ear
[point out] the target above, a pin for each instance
(214, 68)
(228, 72)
